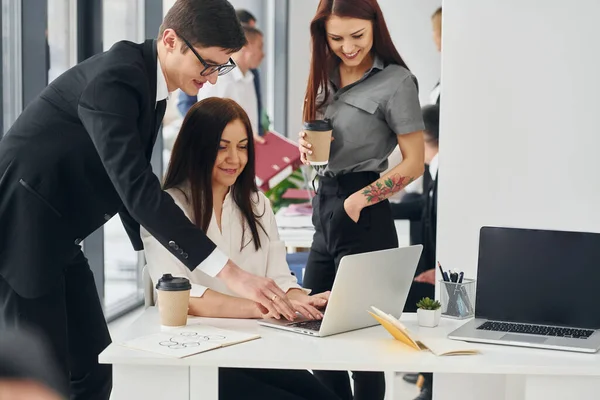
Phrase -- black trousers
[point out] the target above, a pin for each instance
(70, 320)
(336, 236)
(260, 384)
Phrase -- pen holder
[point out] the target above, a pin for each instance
(458, 299)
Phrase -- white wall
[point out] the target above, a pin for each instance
(519, 122)
(409, 23)
(519, 131)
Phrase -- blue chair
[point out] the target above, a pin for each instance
(297, 262)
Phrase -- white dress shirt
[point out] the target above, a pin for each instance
(214, 263)
(238, 87)
(268, 261)
(433, 166)
(162, 91)
(435, 93)
(433, 170)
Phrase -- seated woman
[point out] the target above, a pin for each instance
(211, 177)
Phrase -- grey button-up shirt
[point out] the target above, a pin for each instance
(366, 117)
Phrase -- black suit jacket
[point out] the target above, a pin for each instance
(429, 227)
(76, 156)
(422, 210)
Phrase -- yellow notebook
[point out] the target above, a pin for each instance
(438, 346)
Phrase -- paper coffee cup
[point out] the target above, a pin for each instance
(173, 300)
(318, 134)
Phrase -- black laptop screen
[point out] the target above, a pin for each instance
(540, 277)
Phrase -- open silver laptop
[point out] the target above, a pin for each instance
(380, 278)
(536, 288)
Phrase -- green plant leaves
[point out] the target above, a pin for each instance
(428, 304)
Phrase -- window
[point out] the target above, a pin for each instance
(11, 63)
(122, 275)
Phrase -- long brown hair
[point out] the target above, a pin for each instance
(194, 155)
(322, 58)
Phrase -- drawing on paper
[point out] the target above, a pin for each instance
(190, 339)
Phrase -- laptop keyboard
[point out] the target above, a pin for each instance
(536, 329)
(310, 325)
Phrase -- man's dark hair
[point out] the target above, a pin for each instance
(245, 16)
(205, 23)
(436, 13)
(431, 118)
(251, 33)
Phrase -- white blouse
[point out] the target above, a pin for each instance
(269, 261)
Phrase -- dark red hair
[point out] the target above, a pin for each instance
(322, 59)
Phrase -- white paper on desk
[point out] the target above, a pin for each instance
(188, 340)
(447, 347)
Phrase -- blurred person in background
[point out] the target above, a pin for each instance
(248, 19)
(27, 371)
(422, 211)
(239, 84)
(436, 25)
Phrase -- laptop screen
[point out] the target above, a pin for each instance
(539, 277)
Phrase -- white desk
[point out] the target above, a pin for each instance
(298, 231)
(500, 372)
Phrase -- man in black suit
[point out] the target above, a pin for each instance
(423, 210)
(78, 155)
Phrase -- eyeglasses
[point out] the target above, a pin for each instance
(210, 69)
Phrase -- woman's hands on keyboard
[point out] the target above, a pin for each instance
(307, 305)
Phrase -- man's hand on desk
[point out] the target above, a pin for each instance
(269, 297)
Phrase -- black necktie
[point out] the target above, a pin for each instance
(161, 106)
(427, 181)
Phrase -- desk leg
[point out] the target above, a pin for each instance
(204, 383)
(150, 382)
(543, 387)
(478, 386)
(390, 378)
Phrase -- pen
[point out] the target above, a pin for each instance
(460, 276)
(444, 275)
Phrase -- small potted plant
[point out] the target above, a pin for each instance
(429, 312)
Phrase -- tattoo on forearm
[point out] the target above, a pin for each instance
(378, 191)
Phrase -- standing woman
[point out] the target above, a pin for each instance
(361, 84)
